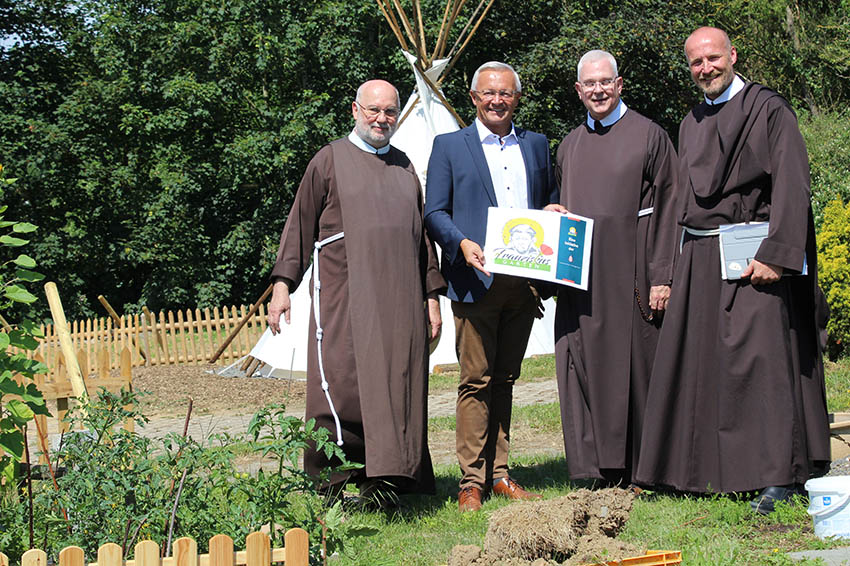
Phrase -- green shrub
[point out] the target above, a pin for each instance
(834, 273)
(828, 142)
(119, 486)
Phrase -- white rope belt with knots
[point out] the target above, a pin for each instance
(696, 232)
(317, 286)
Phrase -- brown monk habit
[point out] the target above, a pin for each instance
(374, 282)
(737, 399)
(603, 344)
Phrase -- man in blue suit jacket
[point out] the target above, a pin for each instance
(490, 163)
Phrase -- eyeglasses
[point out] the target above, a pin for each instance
(604, 83)
(491, 94)
(372, 111)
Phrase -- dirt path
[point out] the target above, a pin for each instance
(226, 405)
(439, 405)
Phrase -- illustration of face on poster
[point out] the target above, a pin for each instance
(522, 240)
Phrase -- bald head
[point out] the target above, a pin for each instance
(711, 59)
(375, 111)
(376, 86)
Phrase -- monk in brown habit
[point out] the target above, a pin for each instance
(737, 399)
(374, 284)
(620, 169)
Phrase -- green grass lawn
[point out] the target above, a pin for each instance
(710, 531)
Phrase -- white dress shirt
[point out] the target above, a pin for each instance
(507, 167)
(733, 89)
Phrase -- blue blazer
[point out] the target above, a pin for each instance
(459, 191)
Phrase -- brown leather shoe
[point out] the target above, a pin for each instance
(506, 487)
(469, 499)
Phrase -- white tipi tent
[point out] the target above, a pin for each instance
(426, 115)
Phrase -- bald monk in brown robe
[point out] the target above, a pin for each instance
(374, 284)
(620, 169)
(737, 399)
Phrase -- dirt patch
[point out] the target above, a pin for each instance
(578, 528)
(171, 386)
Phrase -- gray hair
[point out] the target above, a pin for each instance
(495, 65)
(594, 56)
(358, 96)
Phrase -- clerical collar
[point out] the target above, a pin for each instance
(358, 141)
(733, 89)
(611, 118)
(484, 132)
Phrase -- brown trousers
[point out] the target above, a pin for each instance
(491, 337)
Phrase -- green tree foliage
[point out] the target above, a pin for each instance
(834, 273)
(828, 142)
(161, 141)
(20, 399)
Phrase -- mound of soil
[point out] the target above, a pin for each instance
(577, 528)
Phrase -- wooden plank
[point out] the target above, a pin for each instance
(296, 544)
(202, 349)
(4, 560)
(109, 554)
(175, 348)
(83, 360)
(193, 340)
(137, 340)
(185, 552)
(182, 337)
(156, 351)
(225, 349)
(146, 553)
(240, 347)
(164, 337)
(34, 557)
(58, 314)
(217, 331)
(127, 378)
(210, 333)
(258, 550)
(221, 551)
(72, 556)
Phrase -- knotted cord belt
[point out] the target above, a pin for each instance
(317, 286)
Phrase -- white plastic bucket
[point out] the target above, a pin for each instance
(829, 505)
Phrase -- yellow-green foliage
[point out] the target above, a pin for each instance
(834, 273)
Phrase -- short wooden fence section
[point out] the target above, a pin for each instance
(258, 552)
(181, 337)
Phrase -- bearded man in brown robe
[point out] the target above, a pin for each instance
(373, 344)
(620, 169)
(737, 399)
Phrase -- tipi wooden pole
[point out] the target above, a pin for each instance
(444, 31)
(390, 17)
(436, 90)
(239, 326)
(78, 386)
(455, 56)
(417, 8)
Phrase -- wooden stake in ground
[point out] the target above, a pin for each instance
(242, 323)
(60, 324)
(120, 322)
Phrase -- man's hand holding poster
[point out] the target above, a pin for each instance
(539, 244)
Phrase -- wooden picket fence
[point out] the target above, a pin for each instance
(258, 552)
(55, 386)
(181, 337)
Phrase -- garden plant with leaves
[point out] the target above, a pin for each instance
(20, 399)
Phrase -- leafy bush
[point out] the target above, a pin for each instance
(834, 273)
(121, 487)
(16, 369)
(828, 142)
